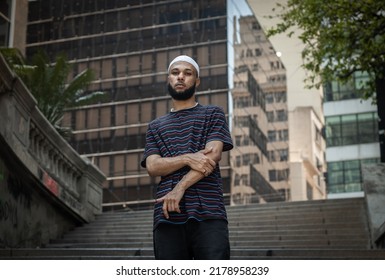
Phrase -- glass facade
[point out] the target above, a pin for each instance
(5, 21)
(335, 91)
(345, 176)
(352, 125)
(128, 45)
(351, 129)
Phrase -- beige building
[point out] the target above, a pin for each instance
(307, 165)
(305, 114)
(260, 127)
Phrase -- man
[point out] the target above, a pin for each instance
(184, 147)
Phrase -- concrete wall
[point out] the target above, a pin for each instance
(374, 188)
(45, 186)
(28, 216)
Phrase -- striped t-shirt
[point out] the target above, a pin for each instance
(182, 132)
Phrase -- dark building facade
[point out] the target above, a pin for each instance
(128, 44)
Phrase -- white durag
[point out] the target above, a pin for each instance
(184, 58)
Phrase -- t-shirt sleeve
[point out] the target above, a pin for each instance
(150, 148)
(219, 129)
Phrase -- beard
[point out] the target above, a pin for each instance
(181, 96)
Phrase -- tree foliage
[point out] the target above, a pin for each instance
(340, 37)
(50, 84)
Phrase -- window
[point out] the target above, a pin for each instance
(351, 129)
(271, 156)
(272, 136)
(246, 159)
(241, 180)
(281, 115)
(283, 135)
(280, 97)
(335, 90)
(366, 126)
(278, 175)
(345, 176)
(5, 12)
(238, 161)
(270, 116)
(269, 97)
(241, 121)
(242, 102)
(283, 154)
(237, 180)
(256, 158)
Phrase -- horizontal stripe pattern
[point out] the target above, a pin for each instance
(188, 131)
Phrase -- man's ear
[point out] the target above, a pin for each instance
(197, 82)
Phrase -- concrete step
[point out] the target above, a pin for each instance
(306, 254)
(236, 254)
(322, 229)
(78, 253)
(296, 207)
(330, 228)
(309, 242)
(252, 210)
(255, 219)
(284, 218)
(264, 235)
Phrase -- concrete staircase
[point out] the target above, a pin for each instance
(321, 229)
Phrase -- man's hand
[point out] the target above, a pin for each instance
(201, 163)
(171, 201)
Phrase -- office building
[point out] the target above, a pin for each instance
(351, 135)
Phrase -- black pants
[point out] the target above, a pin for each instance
(206, 240)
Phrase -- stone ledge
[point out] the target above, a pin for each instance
(374, 188)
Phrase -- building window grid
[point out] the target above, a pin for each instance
(335, 90)
(276, 175)
(345, 176)
(351, 129)
(278, 135)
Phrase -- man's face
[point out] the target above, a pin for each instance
(182, 81)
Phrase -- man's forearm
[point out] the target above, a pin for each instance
(171, 200)
(200, 161)
(161, 166)
(190, 179)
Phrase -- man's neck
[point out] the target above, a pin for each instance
(183, 105)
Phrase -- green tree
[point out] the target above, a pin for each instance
(340, 37)
(50, 86)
